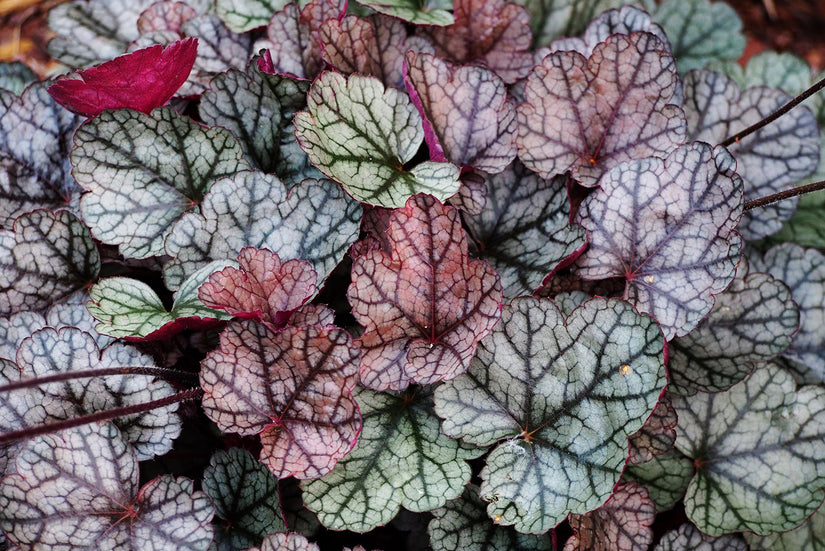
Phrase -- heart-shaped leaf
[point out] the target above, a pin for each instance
(809, 536)
(667, 227)
(688, 538)
(418, 12)
(312, 221)
(758, 449)
(244, 15)
(292, 387)
(524, 228)
(79, 489)
(468, 117)
(658, 433)
(590, 114)
(665, 476)
(360, 134)
(142, 172)
(424, 305)
(246, 499)
(43, 258)
(623, 523)
(561, 396)
(130, 309)
(401, 459)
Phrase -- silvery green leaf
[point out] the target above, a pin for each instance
(688, 538)
(244, 15)
(665, 476)
(809, 536)
(418, 12)
(15, 76)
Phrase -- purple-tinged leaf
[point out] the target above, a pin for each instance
(142, 172)
(313, 220)
(17, 327)
(560, 397)
(657, 435)
(16, 76)
(591, 114)
(688, 538)
(18, 410)
(417, 12)
(282, 541)
(810, 536)
(524, 229)
(219, 49)
(621, 524)
(627, 20)
(165, 15)
(667, 228)
(79, 490)
(262, 288)
(401, 459)
(771, 159)
(360, 134)
(293, 388)
(471, 118)
(752, 322)
(244, 15)
(759, 450)
(44, 257)
(463, 524)
(472, 195)
(665, 476)
(425, 305)
(246, 499)
(493, 33)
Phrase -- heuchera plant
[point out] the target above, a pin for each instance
(467, 275)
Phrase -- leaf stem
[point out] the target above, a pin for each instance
(106, 415)
(776, 114)
(787, 194)
(159, 372)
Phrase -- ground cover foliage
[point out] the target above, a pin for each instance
(446, 275)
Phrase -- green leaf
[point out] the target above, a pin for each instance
(561, 396)
(15, 76)
(810, 536)
(244, 15)
(665, 476)
(759, 451)
(142, 172)
(688, 538)
(418, 12)
(361, 134)
(128, 308)
(401, 459)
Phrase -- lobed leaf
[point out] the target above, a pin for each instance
(401, 459)
(810, 535)
(425, 305)
(590, 114)
(623, 523)
(667, 228)
(418, 12)
(688, 538)
(560, 396)
(293, 388)
(244, 15)
(360, 134)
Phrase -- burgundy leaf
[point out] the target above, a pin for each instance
(657, 435)
(425, 305)
(590, 114)
(294, 388)
(142, 80)
(263, 289)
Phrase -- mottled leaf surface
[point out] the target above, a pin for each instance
(463, 524)
(79, 489)
(311, 221)
(590, 114)
(244, 15)
(560, 396)
(688, 538)
(658, 433)
(667, 227)
(524, 228)
(401, 459)
(665, 476)
(623, 523)
(424, 305)
(142, 172)
(282, 541)
(293, 388)
(360, 134)
(246, 499)
(43, 258)
(771, 159)
(468, 117)
(751, 322)
(758, 450)
(418, 12)
(809, 536)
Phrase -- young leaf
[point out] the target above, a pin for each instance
(43, 258)
(561, 396)
(142, 172)
(524, 229)
(665, 476)
(425, 305)
(141, 80)
(657, 435)
(809, 536)
(590, 114)
(361, 134)
(688, 538)
(623, 523)
(418, 12)
(758, 449)
(470, 119)
(79, 489)
(401, 459)
(16, 76)
(751, 322)
(246, 499)
(771, 159)
(293, 388)
(667, 227)
(244, 15)
(312, 221)
(130, 309)
(463, 524)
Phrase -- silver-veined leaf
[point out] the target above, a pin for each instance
(244, 15)
(688, 538)
(810, 536)
(418, 12)
(665, 476)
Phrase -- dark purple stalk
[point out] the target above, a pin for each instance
(159, 372)
(787, 194)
